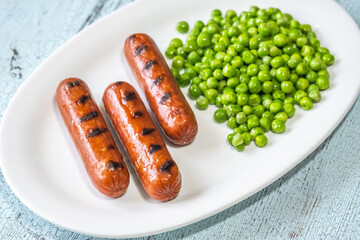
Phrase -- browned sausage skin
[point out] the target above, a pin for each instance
(157, 171)
(87, 127)
(165, 98)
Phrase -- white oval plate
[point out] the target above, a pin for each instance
(43, 169)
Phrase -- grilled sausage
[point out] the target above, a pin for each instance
(157, 171)
(165, 98)
(103, 161)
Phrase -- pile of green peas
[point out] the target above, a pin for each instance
(254, 67)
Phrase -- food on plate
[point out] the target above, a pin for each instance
(86, 125)
(165, 98)
(254, 67)
(153, 164)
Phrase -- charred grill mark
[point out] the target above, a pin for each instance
(165, 97)
(114, 165)
(118, 83)
(137, 114)
(83, 99)
(154, 148)
(147, 131)
(73, 84)
(167, 165)
(89, 116)
(129, 96)
(96, 131)
(149, 64)
(139, 49)
(158, 80)
(111, 147)
(132, 37)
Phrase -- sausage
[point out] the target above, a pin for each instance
(87, 127)
(165, 98)
(153, 164)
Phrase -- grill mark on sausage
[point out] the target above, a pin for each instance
(114, 165)
(147, 131)
(96, 131)
(137, 114)
(154, 148)
(139, 49)
(165, 97)
(83, 99)
(89, 116)
(158, 80)
(118, 83)
(111, 147)
(167, 165)
(149, 64)
(132, 37)
(73, 84)
(129, 96)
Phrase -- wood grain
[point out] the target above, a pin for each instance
(318, 199)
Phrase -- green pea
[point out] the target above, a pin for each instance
(255, 132)
(194, 91)
(230, 138)
(275, 107)
(322, 82)
(196, 81)
(228, 98)
(328, 59)
(278, 94)
(218, 102)
(307, 50)
(258, 110)
(280, 40)
(252, 122)
(211, 82)
(265, 123)
(302, 84)
(203, 40)
(287, 87)
(220, 115)
(289, 109)
(205, 73)
(232, 110)
(254, 85)
(232, 122)
(210, 95)
(242, 99)
(302, 68)
(247, 109)
(282, 116)
(306, 103)
(261, 140)
(241, 118)
(298, 95)
(254, 99)
(252, 69)
(275, 51)
(282, 74)
(233, 82)
(311, 76)
(203, 87)
(246, 138)
(184, 79)
(237, 140)
(202, 103)
(289, 100)
(176, 43)
(229, 71)
(278, 126)
(178, 62)
(314, 95)
(277, 62)
(316, 64)
(193, 57)
(248, 57)
(324, 73)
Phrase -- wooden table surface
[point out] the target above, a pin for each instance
(318, 199)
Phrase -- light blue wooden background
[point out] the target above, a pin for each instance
(318, 199)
